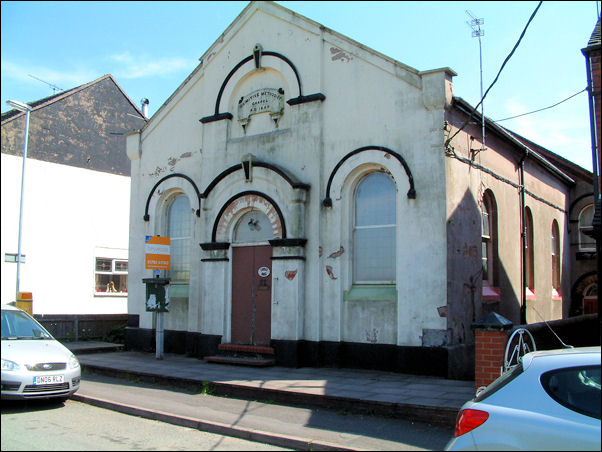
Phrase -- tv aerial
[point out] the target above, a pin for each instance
(54, 87)
(477, 32)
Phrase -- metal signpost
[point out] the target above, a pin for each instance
(157, 258)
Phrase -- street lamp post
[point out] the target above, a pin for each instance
(27, 109)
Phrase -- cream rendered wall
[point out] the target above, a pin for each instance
(370, 100)
(71, 216)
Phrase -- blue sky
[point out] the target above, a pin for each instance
(151, 47)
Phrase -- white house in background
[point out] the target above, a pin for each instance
(76, 200)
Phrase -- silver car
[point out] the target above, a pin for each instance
(34, 364)
(549, 401)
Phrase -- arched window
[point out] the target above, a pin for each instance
(179, 229)
(489, 238)
(254, 226)
(529, 251)
(586, 217)
(374, 230)
(555, 257)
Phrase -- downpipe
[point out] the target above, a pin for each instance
(523, 226)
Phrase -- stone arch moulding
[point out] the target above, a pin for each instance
(169, 176)
(244, 201)
(577, 206)
(244, 166)
(327, 202)
(217, 116)
(585, 280)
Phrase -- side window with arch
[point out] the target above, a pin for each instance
(374, 225)
(586, 217)
(530, 270)
(555, 257)
(489, 238)
(179, 229)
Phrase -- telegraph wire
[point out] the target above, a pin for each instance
(497, 76)
(542, 109)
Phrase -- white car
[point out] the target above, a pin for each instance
(549, 401)
(34, 364)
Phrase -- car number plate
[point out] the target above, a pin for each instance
(48, 379)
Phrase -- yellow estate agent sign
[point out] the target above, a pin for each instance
(157, 252)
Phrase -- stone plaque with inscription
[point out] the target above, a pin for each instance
(265, 100)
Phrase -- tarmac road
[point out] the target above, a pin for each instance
(49, 425)
(294, 427)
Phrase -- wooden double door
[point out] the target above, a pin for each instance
(251, 295)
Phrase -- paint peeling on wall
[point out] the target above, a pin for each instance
(330, 273)
(372, 336)
(158, 171)
(338, 54)
(337, 253)
(172, 161)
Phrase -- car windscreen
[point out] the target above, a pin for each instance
(17, 325)
(498, 384)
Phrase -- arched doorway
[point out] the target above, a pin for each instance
(252, 279)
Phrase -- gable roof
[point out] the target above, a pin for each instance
(36, 104)
(595, 38)
(83, 127)
(276, 10)
(574, 170)
(511, 137)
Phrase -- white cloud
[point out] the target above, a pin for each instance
(62, 79)
(563, 130)
(130, 67)
(122, 66)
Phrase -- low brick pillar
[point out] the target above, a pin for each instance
(491, 336)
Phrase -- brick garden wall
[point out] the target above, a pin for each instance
(490, 346)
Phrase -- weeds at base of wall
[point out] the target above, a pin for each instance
(116, 335)
(208, 388)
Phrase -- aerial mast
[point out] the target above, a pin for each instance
(54, 87)
(477, 32)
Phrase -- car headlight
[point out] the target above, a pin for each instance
(73, 362)
(9, 365)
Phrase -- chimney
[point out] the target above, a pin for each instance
(144, 102)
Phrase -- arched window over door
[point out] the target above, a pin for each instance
(254, 226)
(374, 230)
(179, 229)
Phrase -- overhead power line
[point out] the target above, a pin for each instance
(498, 74)
(542, 109)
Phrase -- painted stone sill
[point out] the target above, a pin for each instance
(490, 294)
(371, 292)
(178, 290)
(530, 294)
(111, 294)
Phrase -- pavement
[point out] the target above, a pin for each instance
(298, 408)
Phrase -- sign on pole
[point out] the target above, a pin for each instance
(157, 252)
